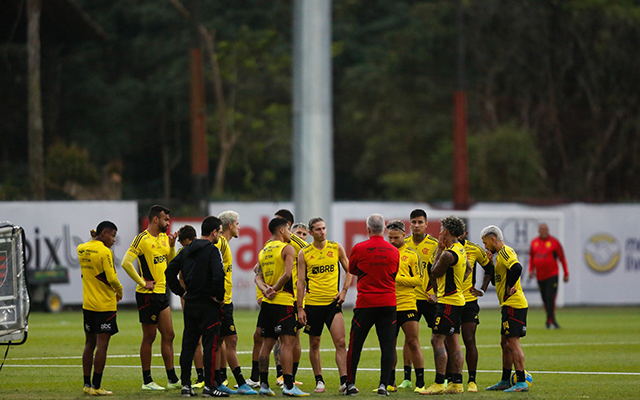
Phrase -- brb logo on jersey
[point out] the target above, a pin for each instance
(322, 269)
(159, 259)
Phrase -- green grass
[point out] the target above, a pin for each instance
(565, 363)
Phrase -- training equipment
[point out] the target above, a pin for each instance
(225, 389)
(351, 390)
(527, 377)
(435, 388)
(208, 392)
(406, 384)
(454, 388)
(246, 389)
(266, 392)
(174, 385)
(152, 386)
(100, 392)
(294, 392)
(187, 392)
(518, 387)
(502, 385)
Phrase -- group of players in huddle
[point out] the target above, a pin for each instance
(299, 288)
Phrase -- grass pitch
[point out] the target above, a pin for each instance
(596, 355)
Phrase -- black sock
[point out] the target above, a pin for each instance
(97, 379)
(519, 374)
(419, 377)
(237, 373)
(255, 371)
(472, 376)
(393, 377)
(407, 373)
(295, 369)
(457, 378)
(449, 376)
(288, 381)
(439, 378)
(278, 371)
(146, 377)
(216, 378)
(264, 379)
(200, 372)
(343, 380)
(319, 378)
(87, 380)
(506, 374)
(171, 375)
(223, 374)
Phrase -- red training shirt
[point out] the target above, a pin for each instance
(543, 258)
(375, 263)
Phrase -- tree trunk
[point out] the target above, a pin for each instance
(34, 95)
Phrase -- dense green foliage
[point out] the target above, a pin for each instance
(595, 355)
(552, 98)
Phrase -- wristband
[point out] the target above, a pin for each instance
(483, 292)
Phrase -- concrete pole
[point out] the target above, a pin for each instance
(312, 110)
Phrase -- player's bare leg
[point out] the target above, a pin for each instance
(411, 331)
(165, 326)
(471, 349)
(149, 332)
(314, 354)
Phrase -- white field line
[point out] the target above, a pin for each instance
(485, 346)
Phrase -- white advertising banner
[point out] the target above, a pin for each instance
(55, 229)
(601, 243)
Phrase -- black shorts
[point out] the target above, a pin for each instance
(428, 310)
(228, 327)
(150, 305)
(319, 316)
(96, 322)
(275, 320)
(405, 316)
(514, 322)
(447, 320)
(470, 312)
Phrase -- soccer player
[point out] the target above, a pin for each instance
(101, 291)
(425, 245)
(471, 310)
(230, 230)
(153, 249)
(297, 244)
(319, 274)
(450, 268)
(543, 264)
(201, 266)
(277, 317)
(300, 230)
(514, 309)
(409, 276)
(375, 263)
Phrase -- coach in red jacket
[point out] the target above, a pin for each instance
(543, 264)
(375, 263)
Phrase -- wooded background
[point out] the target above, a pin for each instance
(553, 99)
